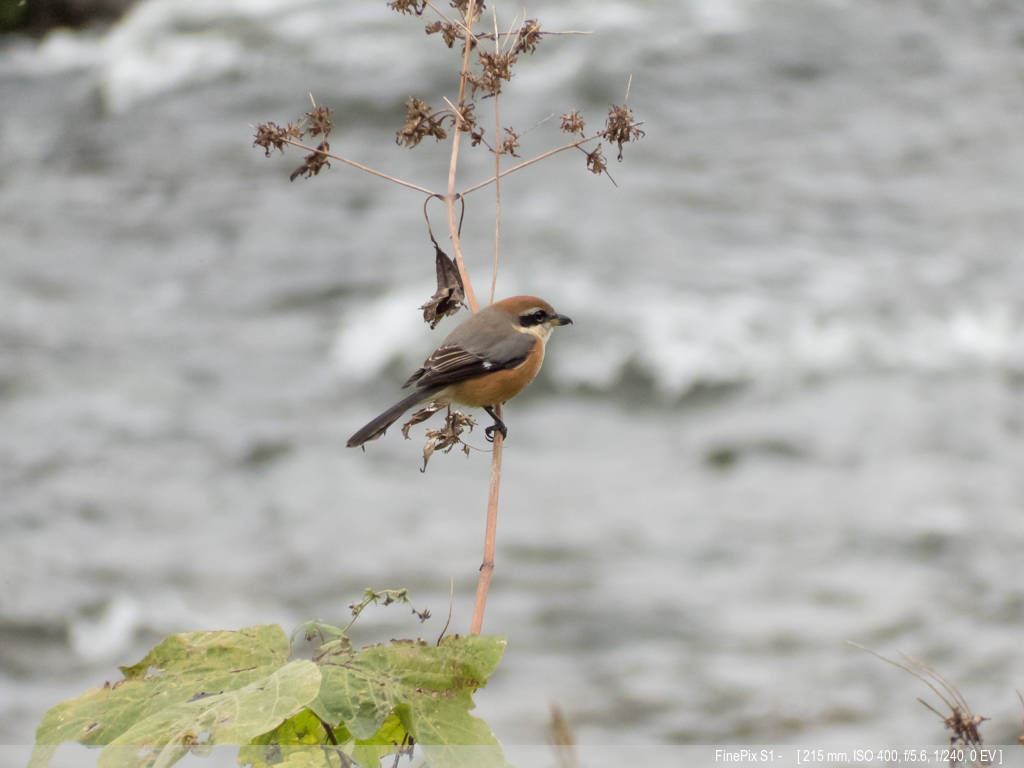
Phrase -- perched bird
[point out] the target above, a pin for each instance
(488, 359)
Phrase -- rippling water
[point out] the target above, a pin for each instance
(790, 413)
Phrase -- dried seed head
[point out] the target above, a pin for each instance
(405, 7)
(528, 37)
(595, 161)
(272, 136)
(476, 137)
(497, 67)
(313, 163)
(572, 122)
(449, 32)
(465, 117)
(620, 127)
(318, 121)
(510, 144)
(463, 5)
(420, 122)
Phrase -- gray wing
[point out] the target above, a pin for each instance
(482, 344)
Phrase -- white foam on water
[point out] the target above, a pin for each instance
(683, 340)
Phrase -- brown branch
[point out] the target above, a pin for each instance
(497, 172)
(527, 163)
(483, 584)
(453, 229)
(544, 32)
(361, 167)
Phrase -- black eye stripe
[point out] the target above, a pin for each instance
(536, 317)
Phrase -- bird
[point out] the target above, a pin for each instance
(487, 360)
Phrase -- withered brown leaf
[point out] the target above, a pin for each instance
(450, 294)
(448, 436)
(420, 416)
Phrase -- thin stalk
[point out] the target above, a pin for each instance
(527, 163)
(450, 198)
(483, 584)
(361, 167)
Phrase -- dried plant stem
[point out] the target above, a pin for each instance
(497, 172)
(527, 163)
(483, 584)
(450, 198)
(361, 167)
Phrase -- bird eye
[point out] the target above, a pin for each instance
(533, 318)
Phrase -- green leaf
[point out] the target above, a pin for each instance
(187, 667)
(429, 687)
(389, 737)
(276, 747)
(233, 717)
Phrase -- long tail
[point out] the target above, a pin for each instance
(379, 425)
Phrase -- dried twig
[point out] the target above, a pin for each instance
(453, 164)
(528, 163)
(360, 166)
(961, 720)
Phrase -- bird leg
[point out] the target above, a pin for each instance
(498, 426)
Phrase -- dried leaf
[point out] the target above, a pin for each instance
(448, 436)
(420, 416)
(450, 294)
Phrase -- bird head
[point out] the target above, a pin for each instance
(532, 315)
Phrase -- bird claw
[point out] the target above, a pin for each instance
(489, 432)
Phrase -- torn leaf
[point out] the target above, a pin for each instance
(450, 294)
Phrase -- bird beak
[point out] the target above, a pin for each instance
(561, 320)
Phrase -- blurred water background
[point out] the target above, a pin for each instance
(789, 414)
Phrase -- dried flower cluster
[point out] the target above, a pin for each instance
(318, 121)
(449, 32)
(595, 161)
(271, 136)
(313, 163)
(495, 68)
(462, 6)
(408, 6)
(510, 144)
(420, 121)
(572, 122)
(620, 127)
(528, 37)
